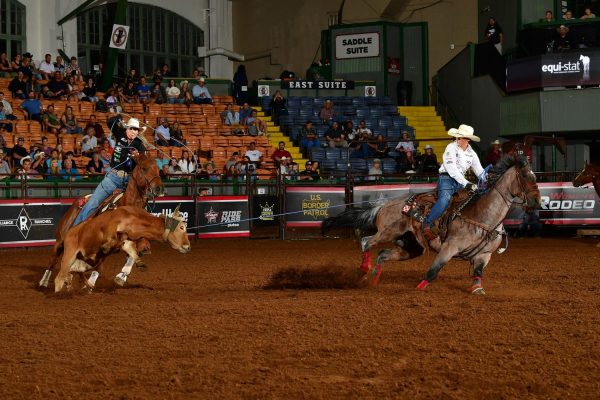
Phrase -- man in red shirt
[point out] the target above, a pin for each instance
(281, 152)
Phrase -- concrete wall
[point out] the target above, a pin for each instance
(506, 13)
(293, 29)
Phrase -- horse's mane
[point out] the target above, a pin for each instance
(505, 163)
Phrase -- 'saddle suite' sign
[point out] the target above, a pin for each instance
(357, 45)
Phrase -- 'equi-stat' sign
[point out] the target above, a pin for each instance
(357, 45)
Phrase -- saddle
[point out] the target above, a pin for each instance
(419, 205)
(110, 203)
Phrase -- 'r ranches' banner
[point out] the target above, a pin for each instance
(308, 206)
(223, 216)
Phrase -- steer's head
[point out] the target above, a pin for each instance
(176, 232)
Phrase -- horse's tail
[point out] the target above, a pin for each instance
(355, 217)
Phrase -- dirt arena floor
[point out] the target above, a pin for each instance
(200, 326)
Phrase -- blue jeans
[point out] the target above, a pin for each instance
(110, 182)
(307, 144)
(446, 188)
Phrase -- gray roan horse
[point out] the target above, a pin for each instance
(473, 234)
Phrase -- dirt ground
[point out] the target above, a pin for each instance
(200, 326)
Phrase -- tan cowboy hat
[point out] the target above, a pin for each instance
(464, 131)
(496, 141)
(25, 158)
(135, 123)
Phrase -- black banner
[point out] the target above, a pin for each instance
(265, 208)
(310, 205)
(29, 222)
(223, 216)
(335, 85)
(558, 69)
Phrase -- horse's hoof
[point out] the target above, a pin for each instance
(480, 291)
(423, 284)
(120, 279)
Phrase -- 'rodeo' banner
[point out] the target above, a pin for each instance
(308, 206)
(223, 216)
(340, 85)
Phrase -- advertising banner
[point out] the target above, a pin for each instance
(308, 206)
(357, 45)
(339, 85)
(166, 206)
(266, 209)
(223, 216)
(574, 68)
(371, 195)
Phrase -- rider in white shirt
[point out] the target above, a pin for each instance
(458, 158)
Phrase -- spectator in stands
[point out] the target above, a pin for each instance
(240, 85)
(55, 155)
(327, 114)
(229, 116)
(185, 96)
(32, 107)
(212, 172)
(16, 63)
(46, 148)
(53, 170)
(47, 67)
(375, 171)
(157, 77)
(46, 94)
(379, 147)
(568, 15)
(105, 144)
(256, 126)
(164, 171)
(26, 170)
(407, 149)
(74, 93)
(245, 113)
(58, 87)
(429, 163)
(18, 86)
(95, 165)
(89, 91)
(174, 168)
(548, 17)
(93, 123)
(587, 13)
(51, 121)
(69, 172)
(531, 224)
(280, 153)
(293, 171)
(173, 93)
(89, 143)
(5, 124)
(563, 41)
(255, 155)
(162, 134)
(363, 130)
(158, 95)
(278, 106)
(335, 136)
(187, 163)
(200, 93)
(5, 67)
(8, 111)
(69, 121)
(493, 34)
(143, 91)
(28, 69)
(112, 100)
(177, 138)
(4, 167)
(282, 168)
(132, 76)
(229, 169)
(349, 131)
(494, 154)
(73, 70)
(129, 94)
(7, 150)
(165, 71)
(39, 162)
(308, 136)
(59, 66)
(313, 171)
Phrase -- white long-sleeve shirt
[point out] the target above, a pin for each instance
(456, 162)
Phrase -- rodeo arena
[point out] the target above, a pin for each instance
(308, 199)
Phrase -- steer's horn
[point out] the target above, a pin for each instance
(176, 213)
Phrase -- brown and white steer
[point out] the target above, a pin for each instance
(88, 244)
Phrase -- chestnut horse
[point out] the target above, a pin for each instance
(589, 173)
(144, 183)
(473, 235)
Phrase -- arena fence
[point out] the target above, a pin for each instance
(256, 208)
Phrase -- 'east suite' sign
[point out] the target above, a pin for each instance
(340, 85)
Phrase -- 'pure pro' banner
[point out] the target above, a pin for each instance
(357, 45)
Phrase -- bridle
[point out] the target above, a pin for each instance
(523, 191)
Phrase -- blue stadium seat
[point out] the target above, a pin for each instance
(389, 166)
(358, 164)
(363, 112)
(293, 102)
(341, 166)
(358, 101)
(317, 154)
(387, 100)
(329, 165)
(318, 102)
(332, 154)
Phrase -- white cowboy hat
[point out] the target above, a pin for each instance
(428, 146)
(135, 123)
(25, 158)
(464, 131)
(496, 141)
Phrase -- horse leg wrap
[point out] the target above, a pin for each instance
(423, 284)
(91, 282)
(365, 265)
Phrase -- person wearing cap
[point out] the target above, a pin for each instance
(495, 153)
(162, 134)
(4, 167)
(128, 145)
(429, 160)
(200, 93)
(458, 158)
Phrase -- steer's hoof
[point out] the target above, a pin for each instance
(120, 279)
